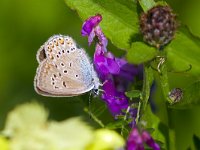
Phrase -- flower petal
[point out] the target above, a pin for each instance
(90, 24)
(150, 141)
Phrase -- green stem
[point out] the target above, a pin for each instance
(94, 118)
(125, 118)
(138, 113)
(164, 82)
(147, 82)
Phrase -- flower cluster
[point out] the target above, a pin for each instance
(115, 73)
(136, 140)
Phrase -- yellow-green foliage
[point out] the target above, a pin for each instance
(29, 129)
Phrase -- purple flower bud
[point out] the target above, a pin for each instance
(150, 141)
(90, 24)
(101, 37)
(135, 141)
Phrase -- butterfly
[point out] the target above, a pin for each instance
(64, 69)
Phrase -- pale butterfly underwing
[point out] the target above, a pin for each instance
(64, 69)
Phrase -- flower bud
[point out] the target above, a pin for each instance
(158, 25)
(176, 95)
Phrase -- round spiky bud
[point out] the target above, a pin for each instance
(176, 95)
(158, 25)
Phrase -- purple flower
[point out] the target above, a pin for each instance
(115, 73)
(105, 62)
(115, 100)
(89, 26)
(149, 141)
(136, 140)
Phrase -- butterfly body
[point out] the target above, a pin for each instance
(64, 69)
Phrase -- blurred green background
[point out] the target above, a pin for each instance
(26, 25)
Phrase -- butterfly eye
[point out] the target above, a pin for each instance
(95, 92)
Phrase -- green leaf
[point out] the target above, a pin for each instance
(189, 16)
(184, 51)
(147, 4)
(140, 53)
(196, 141)
(117, 124)
(133, 94)
(120, 19)
(191, 96)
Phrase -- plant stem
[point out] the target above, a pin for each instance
(164, 82)
(147, 82)
(94, 118)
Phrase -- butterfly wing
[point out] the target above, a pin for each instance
(64, 69)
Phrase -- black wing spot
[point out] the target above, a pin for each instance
(64, 84)
(65, 71)
(62, 64)
(73, 48)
